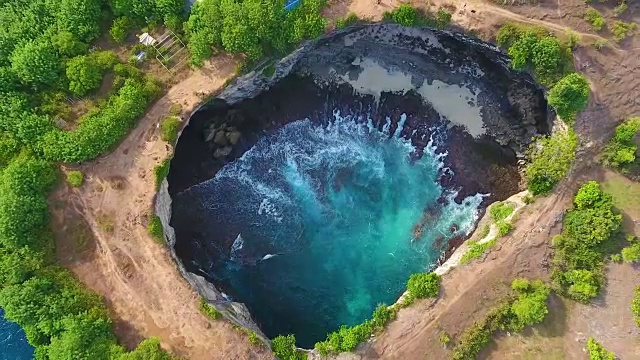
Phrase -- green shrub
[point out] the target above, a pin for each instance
(621, 8)
(597, 352)
(169, 129)
(347, 338)
(443, 18)
(595, 18)
(155, 229)
(209, 310)
(405, 15)
(580, 250)
(500, 211)
(530, 307)
(476, 250)
(476, 337)
(284, 348)
(632, 252)
(161, 171)
(550, 159)
(534, 48)
(75, 178)
(423, 285)
(348, 20)
(635, 305)
(621, 30)
(504, 228)
(600, 43)
(120, 28)
(620, 153)
(569, 96)
(445, 339)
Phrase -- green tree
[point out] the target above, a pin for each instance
(84, 75)
(531, 305)
(569, 96)
(84, 336)
(35, 63)
(549, 160)
(149, 349)
(546, 57)
(67, 44)
(80, 17)
(120, 28)
(170, 7)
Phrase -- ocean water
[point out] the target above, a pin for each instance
(317, 224)
(13, 342)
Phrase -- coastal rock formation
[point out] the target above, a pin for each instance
(452, 92)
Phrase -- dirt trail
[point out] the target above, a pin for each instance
(142, 286)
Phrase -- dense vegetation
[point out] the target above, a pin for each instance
(527, 307)
(620, 153)
(597, 352)
(253, 27)
(209, 310)
(631, 253)
(580, 251)
(550, 158)
(45, 65)
(537, 50)
(407, 15)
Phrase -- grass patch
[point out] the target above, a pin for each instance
(476, 250)
(621, 30)
(161, 171)
(169, 129)
(105, 222)
(484, 232)
(407, 15)
(75, 178)
(500, 211)
(595, 18)
(154, 228)
(209, 310)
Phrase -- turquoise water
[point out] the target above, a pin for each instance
(317, 224)
(13, 342)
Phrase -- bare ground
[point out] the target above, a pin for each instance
(102, 236)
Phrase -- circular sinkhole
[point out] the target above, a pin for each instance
(313, 194)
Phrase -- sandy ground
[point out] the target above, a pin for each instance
(141, 284)
(102, 237)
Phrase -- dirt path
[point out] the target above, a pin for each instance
(141, 284)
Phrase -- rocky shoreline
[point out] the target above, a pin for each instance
(477, 110)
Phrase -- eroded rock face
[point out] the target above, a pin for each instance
(454, 90)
